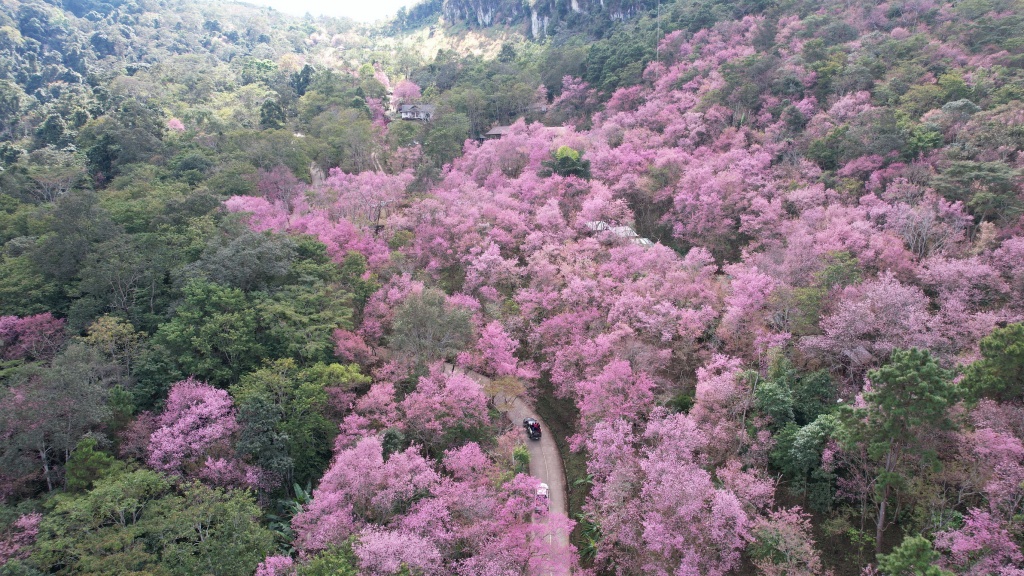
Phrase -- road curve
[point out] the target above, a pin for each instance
(545, 465)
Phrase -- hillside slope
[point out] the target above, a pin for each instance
(761, 262)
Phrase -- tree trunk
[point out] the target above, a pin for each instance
(891, 458)
(46, 469)
(880, 527)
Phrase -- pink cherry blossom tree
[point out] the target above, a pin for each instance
(16, 541)
(193, 437)
(36, 337)
(406, 92)
(982, 546)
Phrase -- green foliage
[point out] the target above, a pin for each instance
(908, 402)
(393, 440)
(427, 328)
(271, 115)
(351, 272)
(219, 333)
(909, 395)
(23, 288)
(350, 139)
(76, 221)
(521, 458)
(775, 400)
(913, 557)
(988, 188)
(258, 70)
(48, 409)
(302, 79)
(567, 162)
(921, 139)
(140, 521)
(825, 151)
(814, 394)
(800, 397)
(87, 465)
(618, 62)
(445, 137)
(339, 561)
(797, 454)
(286, 416)
(214, 334)
(745, 80)
(249, 261)
(681, 402)
(999, 373)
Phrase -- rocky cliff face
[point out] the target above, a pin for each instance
(541, 15)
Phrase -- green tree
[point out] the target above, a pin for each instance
(567, 162)
(102, 531)
(126, 276)
(76, 222)
(913, 557)
(48, 410)
(213, 334)
(351, 138)
(247, 260)
(988, 188)
(797, 453)
(426, 328)
(337, 561)
(271, 115)
(301, 80)
(1000, 372)
(24, 290)
(117, 340)
(285, 415)
(10, 108)
(445, 137)
(139, 521)
(212, 531)
(774, 400)
(87, 464)
(909, 398)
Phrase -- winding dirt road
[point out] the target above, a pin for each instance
(546, 466)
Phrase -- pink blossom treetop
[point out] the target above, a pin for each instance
(994, 450)
(276, 566)
(36, 337)
(617, 392)
(16, 542)
(406, 92)
(405, 513)
(279, 184)
(346, 213)
(783, 545)
(443, 401)
(361, 488)
(175, 125)
(981, 547)
(386, 552)
(193, 436)
(723, 397)
(872, 320)
(495, 354)
(660, 511)
(576, 100)
(690, 526)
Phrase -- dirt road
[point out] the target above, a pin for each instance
(546, 466)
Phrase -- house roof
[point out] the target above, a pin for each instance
(428, 108)
(498, 131)
(626, 232)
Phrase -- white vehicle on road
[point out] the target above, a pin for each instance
(541, 503)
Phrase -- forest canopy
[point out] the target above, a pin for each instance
(271, 288)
